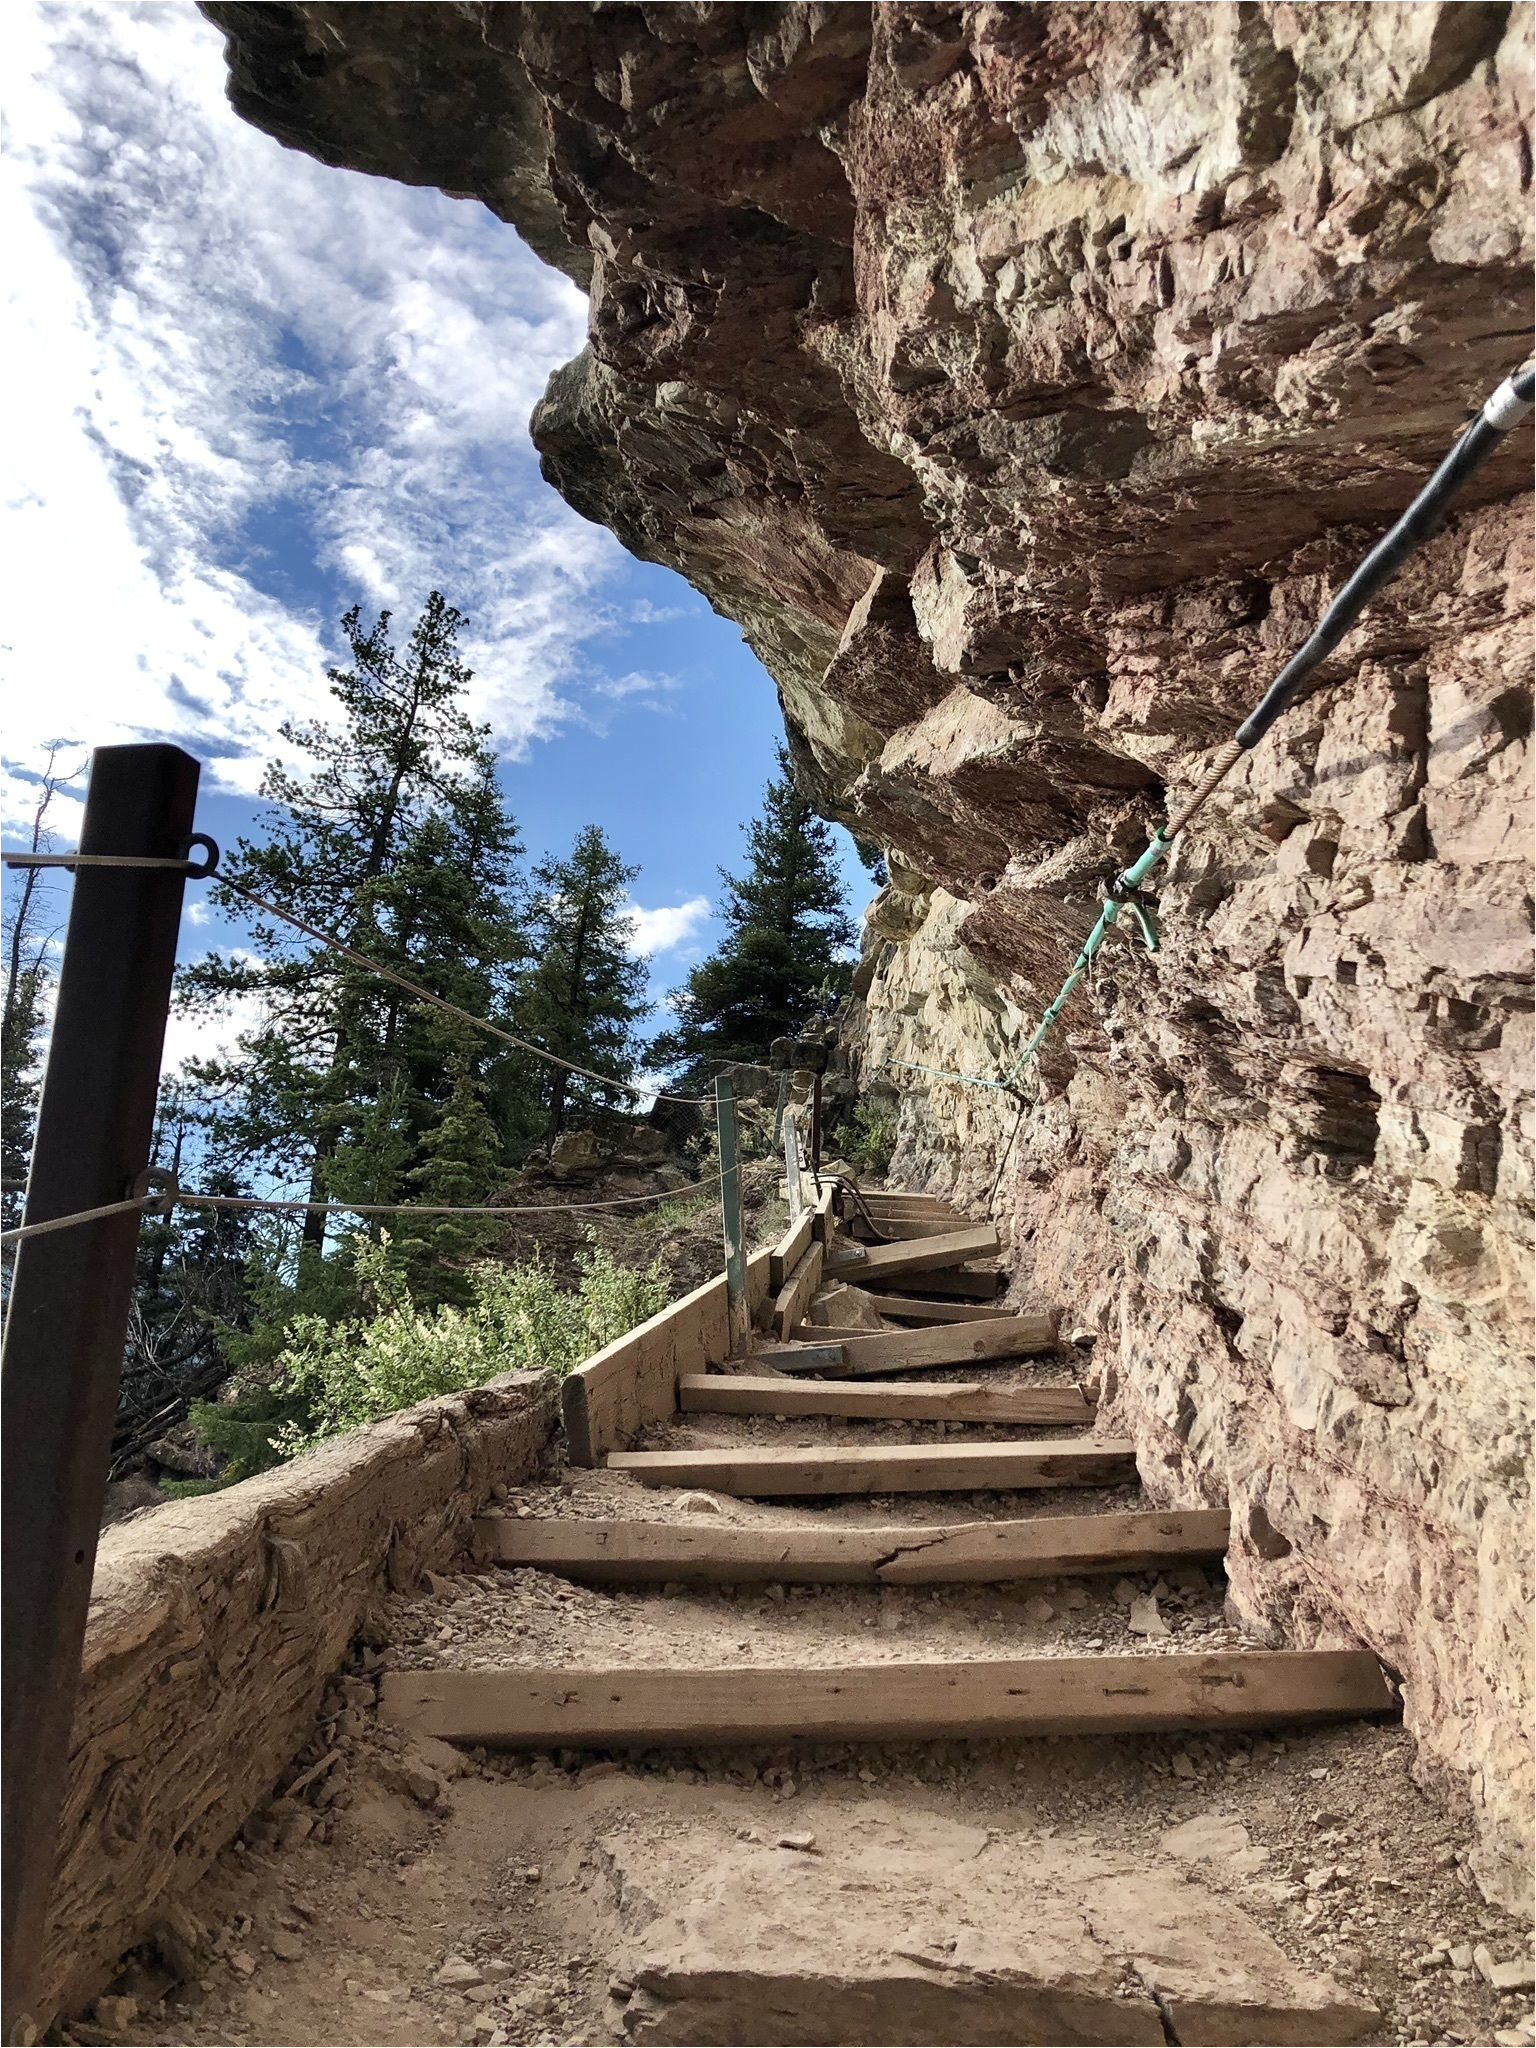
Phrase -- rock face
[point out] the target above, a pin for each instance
(1024, 379)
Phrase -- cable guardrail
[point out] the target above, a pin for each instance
(163, 1200)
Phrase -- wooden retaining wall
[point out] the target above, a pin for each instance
(633, 1381)
(216, 1624)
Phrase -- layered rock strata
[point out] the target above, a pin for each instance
(1023, 379)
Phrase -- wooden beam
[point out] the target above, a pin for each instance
(902, 1308)
(885, 1351)
(919, 1255)
(933, 1223)
(796, 1295)
(633, 1381)
(962, 1553)
(566, 1708)
(789, 1251)
(722, 1393)
(884, 1468)
(964, 1283)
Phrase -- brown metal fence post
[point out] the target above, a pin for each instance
(69, 1304)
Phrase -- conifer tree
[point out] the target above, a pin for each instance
(586, 990)
(388, 828)
(787, 926)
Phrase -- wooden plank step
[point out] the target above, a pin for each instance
(963, 1283)
(772, 1474)
(963, 1553)
(790, 1250)
(793, 1300)
(907, 1227)
(915, 1255)
(516, 1708)
(721, 1393)
(886, 1351)
(903, 1308)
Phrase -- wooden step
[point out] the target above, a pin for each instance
(792, 1302)
(790, 1250)
(884, 1468)
(914, 1255)
(908, 1226)
(902, 1308)
(962, 1283)
(962, 1553)
(722, 1393)
(886, 1351)
(515, 1708)
(894, 1202)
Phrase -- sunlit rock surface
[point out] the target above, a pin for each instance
(1023, 379)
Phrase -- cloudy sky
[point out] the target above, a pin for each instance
(247, 391)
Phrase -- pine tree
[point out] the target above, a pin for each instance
(586, 992)
(787, 925)
(390, 830)
(458, 1168)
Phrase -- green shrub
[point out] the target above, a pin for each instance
(871, 1137)
(332, 1376)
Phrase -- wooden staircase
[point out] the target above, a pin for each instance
(920, 1260)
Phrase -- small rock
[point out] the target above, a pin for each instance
(533, 1874)
(242, 1963)
(803, 1842)
(697, 1504)
(1183, 1766)
(589, 1774)
(1038, 1610)
(458, 1973)
(1126, 1591)
(1145, 1620)
(1461, 1955)
(286, 1947)
(115, 2014)
(423, 1786)
(1517, 1975)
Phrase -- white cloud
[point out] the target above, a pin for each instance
(239, 364)
(207, 1037)
(659, 931)
(618, 689)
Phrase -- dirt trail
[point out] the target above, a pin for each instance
(399, 1891)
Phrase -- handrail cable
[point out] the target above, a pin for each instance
(1507, 406)
(165, 1199)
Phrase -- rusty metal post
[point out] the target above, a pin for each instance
(70, 1295)
(732, 1228)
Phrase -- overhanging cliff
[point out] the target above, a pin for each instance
(1023, 378)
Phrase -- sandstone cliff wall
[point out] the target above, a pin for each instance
(1022, 378)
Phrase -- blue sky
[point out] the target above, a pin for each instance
(259, 390)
